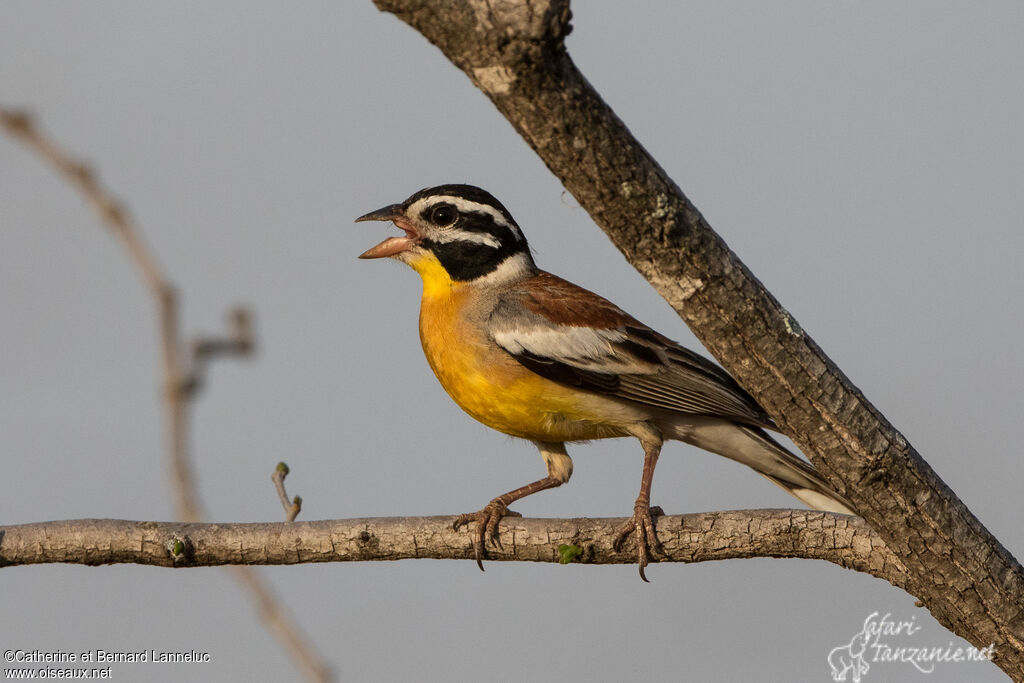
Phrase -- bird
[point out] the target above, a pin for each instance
(534, 356)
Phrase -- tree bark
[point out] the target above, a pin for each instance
(515, 53)
(843, 540)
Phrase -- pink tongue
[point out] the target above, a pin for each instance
(389, 247)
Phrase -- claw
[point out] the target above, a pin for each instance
(642, 523)
(487, 521)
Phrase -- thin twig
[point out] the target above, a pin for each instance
(291, 508)
(178, 384)
(239, 342)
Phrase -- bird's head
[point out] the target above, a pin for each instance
(456, 231)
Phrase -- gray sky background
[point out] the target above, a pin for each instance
(865, 160)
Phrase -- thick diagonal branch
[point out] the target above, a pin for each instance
(514, 52)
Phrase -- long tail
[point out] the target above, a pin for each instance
(756, 449)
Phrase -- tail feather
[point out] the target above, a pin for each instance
(816, 498)
(756, 449)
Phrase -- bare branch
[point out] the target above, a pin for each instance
(19, 124)
(116, 218)
(515, 53)
(281, 625)
(178, 384)
(843, 540)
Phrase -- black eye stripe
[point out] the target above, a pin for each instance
(475, 221)
(480, 222)
(472, 222)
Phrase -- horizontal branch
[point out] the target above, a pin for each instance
(840, 539)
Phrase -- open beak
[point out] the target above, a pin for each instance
(392, 245)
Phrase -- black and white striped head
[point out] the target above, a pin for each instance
(461, 228)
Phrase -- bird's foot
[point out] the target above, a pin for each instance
(487, 521)
(647, 542)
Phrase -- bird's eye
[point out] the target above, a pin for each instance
(443, 215)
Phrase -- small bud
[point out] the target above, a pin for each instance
(568, 553)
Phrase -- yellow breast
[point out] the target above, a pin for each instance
(491, 385)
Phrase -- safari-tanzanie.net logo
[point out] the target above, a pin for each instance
(885, 641)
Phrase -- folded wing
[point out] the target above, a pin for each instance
(572, 336)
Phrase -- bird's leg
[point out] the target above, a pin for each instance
(559, 470)
(643, 514)
(487, 519)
